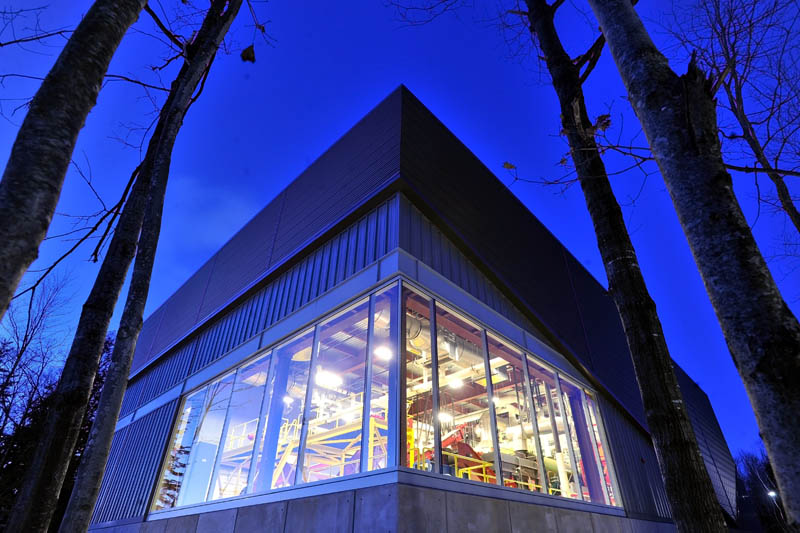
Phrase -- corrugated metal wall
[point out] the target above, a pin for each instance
(356, 247)
(135, 458)
(423, 240)
(519, 251)
(364, 161)
(643, 493)
(719, 463)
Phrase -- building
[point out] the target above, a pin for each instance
(399, 273)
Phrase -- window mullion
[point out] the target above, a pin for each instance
(575, 474)
(498, 465)
(298, 475)
(366, 417)
(437, 436)
(593, 440)
(535, 425)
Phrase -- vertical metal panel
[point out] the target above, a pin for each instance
(345, 253)
(131, 398)
(135, 457)
(635, 464)
(426, 242)
(165, 374)
(716, 454)
(355, 168)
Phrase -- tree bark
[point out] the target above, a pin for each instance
(200, 56)
(689, 489)
(34, 174)
(40, 490)
(678, 116)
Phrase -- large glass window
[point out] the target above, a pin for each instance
(605, 463)
(333, 433)
(178, 455)
(283, 414)
(516, 434)
(582, 443)
(385, 326)
(206, 446)
(465, 419)
(475, 407)
(556, 456)
(233, 466)
(419, 436)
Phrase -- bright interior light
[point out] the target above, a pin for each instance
(445, 417)
(288, 400)
(772, 494)
(384, 353)
(456, 383)
(495, 400)
(327, 379)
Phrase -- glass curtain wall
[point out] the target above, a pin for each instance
(247, 431)
(525, 427)
(324, 404)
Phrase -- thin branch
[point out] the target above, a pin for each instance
(33, 38)
(118, 77)
(171, 36)
(80, 241)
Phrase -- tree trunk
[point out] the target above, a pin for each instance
(38, 496)
(689, 490)
(199, 58)
(42, 151)
(678, 116)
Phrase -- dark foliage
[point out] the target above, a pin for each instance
(759, 503)
(17, 448)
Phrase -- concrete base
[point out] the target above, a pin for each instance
(395, 508)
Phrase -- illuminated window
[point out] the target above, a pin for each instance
(516, 434)
(233, 466)
(556, 455)
(385, 326)
(465, 417)
(283, 414)
(525, 427)
(333, 433)
(419, 435)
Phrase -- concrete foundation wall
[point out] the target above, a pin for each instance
(395, 508)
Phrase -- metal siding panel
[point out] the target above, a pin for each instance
(635, 462)
(713, 447)
(461, 271)
(370, 239)
(113, 464)
(355, 168)
(443, 173)
(136, 454)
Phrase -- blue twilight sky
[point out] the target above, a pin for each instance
(257, 126)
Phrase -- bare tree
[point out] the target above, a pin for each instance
(678, 116)
(29, 359)
(689, 490)
(40, 491)
(750, 47)
(199, 56)
(32, 180)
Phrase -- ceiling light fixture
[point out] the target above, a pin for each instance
(384, 353)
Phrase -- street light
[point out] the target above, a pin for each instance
(772, 494)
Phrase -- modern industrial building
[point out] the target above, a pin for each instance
(394, 343)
